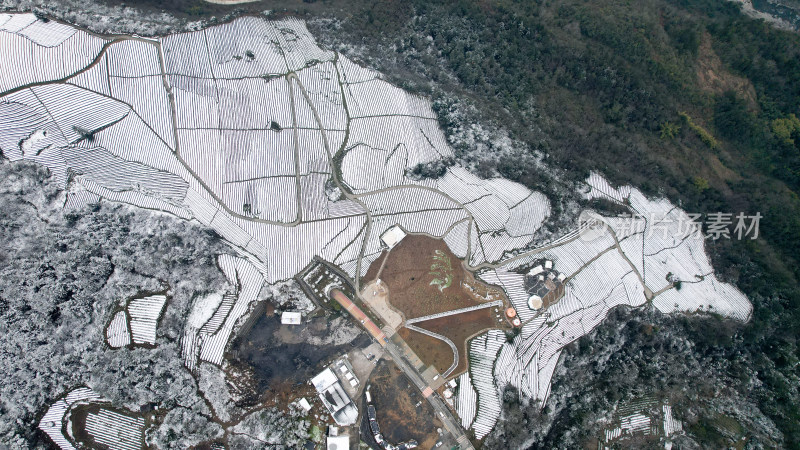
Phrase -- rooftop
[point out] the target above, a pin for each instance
(338, 442)
(393, 236)
(291, 318)
(335, 398)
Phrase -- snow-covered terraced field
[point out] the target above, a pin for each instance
(144, 313)
(56, 416)
(213, 318)
(634, 421)
(482, 354)
(290, 151)
(137, 322)
(466, 401)
(624, 265)
(114, 430)
(117, 333)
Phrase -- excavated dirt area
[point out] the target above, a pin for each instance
(281, 354)
(395, 399)
(460, 328)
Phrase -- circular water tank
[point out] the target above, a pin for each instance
(516, 322)
(511, 312)
(534, 302)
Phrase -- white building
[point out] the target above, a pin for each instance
(335, 399)
(393, 236)
(339, 442)
(336, 442)
(534, 302)
(536, 270)
(291, 318)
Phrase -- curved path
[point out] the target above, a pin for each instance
(441, 338)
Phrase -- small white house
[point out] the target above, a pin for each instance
(291, 318)
(393, 236)
(536, 270)
(338, 442)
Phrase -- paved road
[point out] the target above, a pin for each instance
(441, 338)
(440, 408)
(451, 424)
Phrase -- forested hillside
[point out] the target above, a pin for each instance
(688, 99)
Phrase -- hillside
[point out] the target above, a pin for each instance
(603, 87)
(691, 100)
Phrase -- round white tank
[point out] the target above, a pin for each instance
(534, 302)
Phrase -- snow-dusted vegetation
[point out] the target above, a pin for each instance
(284, 430)
(68, 275)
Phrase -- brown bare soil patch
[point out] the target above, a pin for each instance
(417, 262)
(430, 350)
(552, 297)
(395, 399)
(460, 328)
(715, 78)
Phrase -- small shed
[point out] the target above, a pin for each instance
(339, 442)
(536, 270)
(393, 236)
(304, 404)
(291, 318)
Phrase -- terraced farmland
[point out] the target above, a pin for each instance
(291, 151)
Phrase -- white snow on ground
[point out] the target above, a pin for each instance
(115, 430)
(245, 144)
(42, 51)
(600, 188)
(600, 278)
(141, 327)
(483, 352)
(671, 425)
(637, 418)
(234, 171)
(117, 333)
(671, 247)
(56, 416)
(144, 314)
(213, 318)
(203, 308)
(466, 401)
(108, 428)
